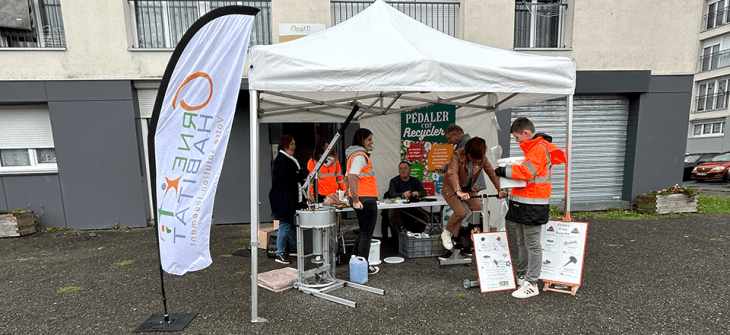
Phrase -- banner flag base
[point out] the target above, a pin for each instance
(175, 322)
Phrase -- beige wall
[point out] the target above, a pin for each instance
(601, 35)
(96, 39)
(628, 35)
(299, 11)
(488, 23)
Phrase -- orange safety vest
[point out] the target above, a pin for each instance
(367, 187)
(536, 170)
(329, 178)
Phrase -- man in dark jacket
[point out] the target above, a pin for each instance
(406, 187)
(285, 196)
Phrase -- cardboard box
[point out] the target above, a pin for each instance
(264, 236)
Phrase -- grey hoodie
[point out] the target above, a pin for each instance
(353, 149)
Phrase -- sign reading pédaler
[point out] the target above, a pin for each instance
(423, 143)
(191, 139)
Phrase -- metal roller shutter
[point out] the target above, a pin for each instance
(599, 144)
(146, 95)
(25, 127)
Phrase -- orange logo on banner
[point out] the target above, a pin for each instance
(440, 154)
(187, 80)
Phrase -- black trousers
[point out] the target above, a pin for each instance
(366, 219)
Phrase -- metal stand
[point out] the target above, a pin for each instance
(324, 281)
(455, 259)
(166, 323)
(467, 284)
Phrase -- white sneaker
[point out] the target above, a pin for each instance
(520, 280)
(526, 291)
(446, 239)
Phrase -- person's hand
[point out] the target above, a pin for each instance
(415, 194)
(407, 194)
(502, 194)
(357, 204)
(500, 172)
(464, 196)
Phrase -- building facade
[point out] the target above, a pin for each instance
(78, 80)
(709, 114)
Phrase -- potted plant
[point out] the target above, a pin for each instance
(675, 199)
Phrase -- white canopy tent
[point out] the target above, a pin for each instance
(386, 63)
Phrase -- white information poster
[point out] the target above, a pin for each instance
(564, 246)
(494, 262)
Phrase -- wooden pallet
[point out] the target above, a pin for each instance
(12, 225)
(550, 286)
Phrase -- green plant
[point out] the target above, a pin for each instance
(68, 289)
(615, 213)
(117, 227)
(16, 212)
(50, 230)
(676, 189)
(460, 295)
(225, 256)
(126, 262)
(716, 239)
(241, 272)
(556, 213)
(243, 240)
(713, 205)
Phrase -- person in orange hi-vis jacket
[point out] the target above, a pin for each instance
(329, 176)
(529, 206)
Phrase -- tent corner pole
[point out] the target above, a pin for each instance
(254, 183)
(569, 154)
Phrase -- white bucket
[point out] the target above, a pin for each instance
(374, 257)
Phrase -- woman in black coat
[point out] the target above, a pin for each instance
(285, 196)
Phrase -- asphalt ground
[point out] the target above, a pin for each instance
(714, 188)
(660, 276)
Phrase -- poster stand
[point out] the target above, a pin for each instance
(551, 286)
(563, 244)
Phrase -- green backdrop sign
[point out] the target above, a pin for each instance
(423, 143)
(427, 123)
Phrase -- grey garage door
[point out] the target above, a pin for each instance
(599, 144)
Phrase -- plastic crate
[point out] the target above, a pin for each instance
(413, 247)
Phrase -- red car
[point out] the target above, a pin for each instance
(715, 169)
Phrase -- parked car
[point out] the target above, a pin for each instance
(692, 160)
(715, 169)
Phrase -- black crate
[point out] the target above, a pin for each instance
(413, 247)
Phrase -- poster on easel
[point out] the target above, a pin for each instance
(494, 262)
(564, 247)
(424, 144)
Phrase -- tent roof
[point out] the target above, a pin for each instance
(390, 62)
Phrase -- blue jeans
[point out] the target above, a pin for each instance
(285, 236)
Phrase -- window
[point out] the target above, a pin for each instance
(26, 140)
(712, 95)
(41, 24)
(712, 128)
(716, 15)
(161, 24)
(440, 15)
(539, 23)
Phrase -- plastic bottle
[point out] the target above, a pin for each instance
(358, 270)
